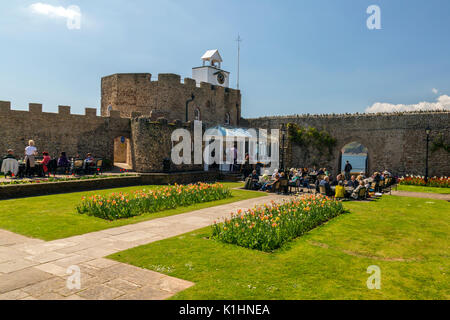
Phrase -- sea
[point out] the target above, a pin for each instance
(358, 162)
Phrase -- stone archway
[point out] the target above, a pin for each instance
(122, 153)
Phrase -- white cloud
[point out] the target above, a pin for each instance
(72, 14)
(442, 103)
(53, 11)
(435, 91)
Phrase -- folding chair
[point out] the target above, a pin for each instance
(284, 185)
(362, 194)
(97, 167)
(52, 167)
(78, 166)
(298, 185)
(308, 187)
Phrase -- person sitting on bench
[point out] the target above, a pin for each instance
(326, 183)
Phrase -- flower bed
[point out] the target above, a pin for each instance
(410, 180)
(63, 179)
(267, 228)
(123, 205)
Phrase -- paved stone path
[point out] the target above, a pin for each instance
(435, 196)
(34, 269)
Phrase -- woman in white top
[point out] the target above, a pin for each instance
(30, 153)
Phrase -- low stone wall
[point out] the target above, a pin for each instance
(179, 178)
(48, 188)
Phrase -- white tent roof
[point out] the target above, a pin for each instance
(235, 133)
(227, 132)
(212, 55)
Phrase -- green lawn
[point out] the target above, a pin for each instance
(424, 189)
(55, 217)
(406, 237)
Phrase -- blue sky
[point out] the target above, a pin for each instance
(297, 56)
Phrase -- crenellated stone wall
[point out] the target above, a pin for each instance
(396, 141)
(62, 131)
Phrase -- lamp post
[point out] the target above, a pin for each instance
(283, 140)
(428, 131)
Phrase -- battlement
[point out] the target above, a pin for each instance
(351, 115)
(37, 109)
(165, 79)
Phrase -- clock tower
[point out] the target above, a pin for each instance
(211, 71)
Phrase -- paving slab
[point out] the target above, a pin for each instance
(22, 278)
(51, 296)
(51, 285)
(14, 295)
(52, 269)
(96, 252)
(71, 260)
(74, 297)
(122, 285)
(101, 292)
(147, 293)
(8, 254)
(132, 236)
(102, 263)
(46, 257)
(16, 265)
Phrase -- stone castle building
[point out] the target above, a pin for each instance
(138, 116)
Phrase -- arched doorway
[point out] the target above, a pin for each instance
(122, 153)
(357, 155)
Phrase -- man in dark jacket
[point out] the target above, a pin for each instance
(10, 155)
(348, 169)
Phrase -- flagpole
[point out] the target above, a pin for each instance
(238, 40)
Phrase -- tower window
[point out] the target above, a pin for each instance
(227, 119)
(197, 115)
